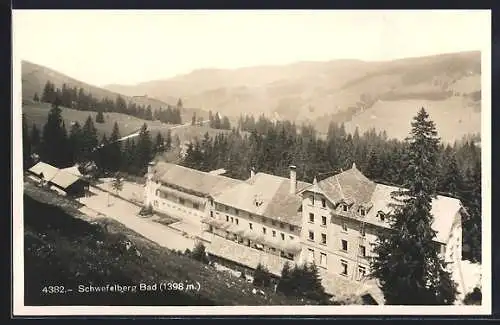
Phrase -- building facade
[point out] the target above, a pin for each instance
(334, 222)
(343, 215)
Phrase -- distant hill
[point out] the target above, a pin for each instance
(34, 78)
(348, 91)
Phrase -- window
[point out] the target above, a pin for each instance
(250, 225)
(345, 208)
(182, 201)
(381, 216)
(282, 236)
(322, 259)
(236, 212)
(362, 231)
(237, 221)
(323, 203)
(226, 208)
(362, 212)
(274, 233)
(232, 219)
(361, 272)
(312, 199)
(344, 245)
(323, 239)
(282, 225)
(196, 206)
(264, 230)
(211, 213)
(344, 226)
(343, 268)
(310, 256)
(311, 217)
(156, 203)
(292, 228)
(263, 220)
(311, 235)
(323, 221)
(227, 218)
(157, 192)
(362, 250)
(210, 228)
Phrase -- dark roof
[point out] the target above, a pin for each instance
(274, 194)
(352, 187)
(192, 180)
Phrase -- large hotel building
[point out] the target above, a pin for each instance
(272, 220)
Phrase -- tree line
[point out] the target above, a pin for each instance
(272, 147)
(81, 145)
(79, 99)
(408, 259)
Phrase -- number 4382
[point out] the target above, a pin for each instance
(53, 289)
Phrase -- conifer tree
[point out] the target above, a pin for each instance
(144, 150)
(35, 138)
(115, 149)
(36, 99)
(54, 139)
(407, 262)
(261, 276)
(193, 119)
(75, 142)
(89, 139)
(168, 140)
(159, 143)
(99, 117)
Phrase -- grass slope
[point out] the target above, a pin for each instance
(37, 114)
(34, 77)
(62, 248)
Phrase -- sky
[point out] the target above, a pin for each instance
(129, 47)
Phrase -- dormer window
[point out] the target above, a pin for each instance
(381, 216)
(345, 207)
(362, 212)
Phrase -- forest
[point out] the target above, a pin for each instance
(271, 147)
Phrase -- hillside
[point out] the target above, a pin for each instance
(65, 248)
(37, 114)
(35, 76)
(341, 90)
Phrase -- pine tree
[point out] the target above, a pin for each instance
(99, 117)
(89, 139)
(407, 259)
(75, 142)
(102, 155)
(261, 276)
(193, 119)
(168, 140)
(115, 149)
(36, 99)
(452, 181)
(54, 139)
(285, 283)
(144, 150)
(35, 138)
(179, 104)
(159, 143)
(225, 124)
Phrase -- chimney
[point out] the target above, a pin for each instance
(150, 169)
(293, 179)
(252, 173)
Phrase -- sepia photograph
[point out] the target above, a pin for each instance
(272, 162)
